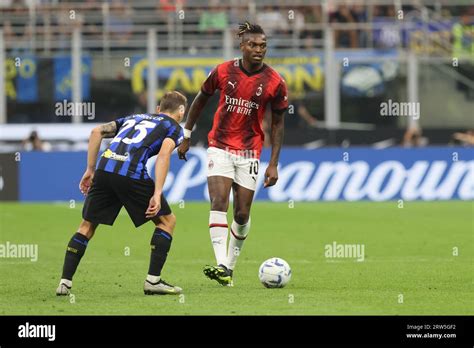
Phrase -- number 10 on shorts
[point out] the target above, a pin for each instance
(253, 168)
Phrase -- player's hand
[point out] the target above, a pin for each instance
(183, 148)
(271, 176)
(86, 181)
(154, 206)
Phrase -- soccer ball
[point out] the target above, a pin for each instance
(274, 273)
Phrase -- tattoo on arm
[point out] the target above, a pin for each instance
(108, 130)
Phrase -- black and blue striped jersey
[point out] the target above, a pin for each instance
(139, 137)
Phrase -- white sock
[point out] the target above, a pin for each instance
(219, 230)
(238, 233)
(153, 279)
(66, 282)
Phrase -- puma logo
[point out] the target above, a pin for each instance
(232, 84)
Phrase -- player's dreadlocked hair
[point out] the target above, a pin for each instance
(249, 28)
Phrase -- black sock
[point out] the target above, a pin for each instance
(160, 245)
(74, 252)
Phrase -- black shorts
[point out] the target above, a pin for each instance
(110, 192)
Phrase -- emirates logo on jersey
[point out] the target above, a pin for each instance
(240, 105)
(259, 90)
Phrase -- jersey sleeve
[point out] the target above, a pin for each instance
(211, 83)
(176, 134)
(120, 121)
(280, 101)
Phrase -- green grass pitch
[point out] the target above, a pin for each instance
(408, 252)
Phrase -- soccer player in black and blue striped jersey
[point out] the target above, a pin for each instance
(119, 178)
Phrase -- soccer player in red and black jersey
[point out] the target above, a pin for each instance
(247, 87)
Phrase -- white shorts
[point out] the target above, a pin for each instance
(243, 170)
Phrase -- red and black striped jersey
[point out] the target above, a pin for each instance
(237, 124)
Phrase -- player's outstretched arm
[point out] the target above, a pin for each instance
(161, 170)
(271, 174)
(107, 130)
(193, 115)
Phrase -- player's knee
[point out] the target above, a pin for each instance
(172, 221)
(168, 222)
(241, 217)
(87, 229)
(219, 203)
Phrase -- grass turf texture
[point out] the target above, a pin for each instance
(408, 251)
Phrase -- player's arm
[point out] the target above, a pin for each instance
(207, 90)
(162, 165)
(277, 132)
(194, 113)
(107, 130)
(279, 106)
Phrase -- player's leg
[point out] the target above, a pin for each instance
(244, 186)
(240, 226)
(238, 233)
(220, 178)
(74, 252)
(160, 246)
(219, 190)
(135, 196)
(100, 207)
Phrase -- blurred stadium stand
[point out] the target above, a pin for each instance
(372, 51)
